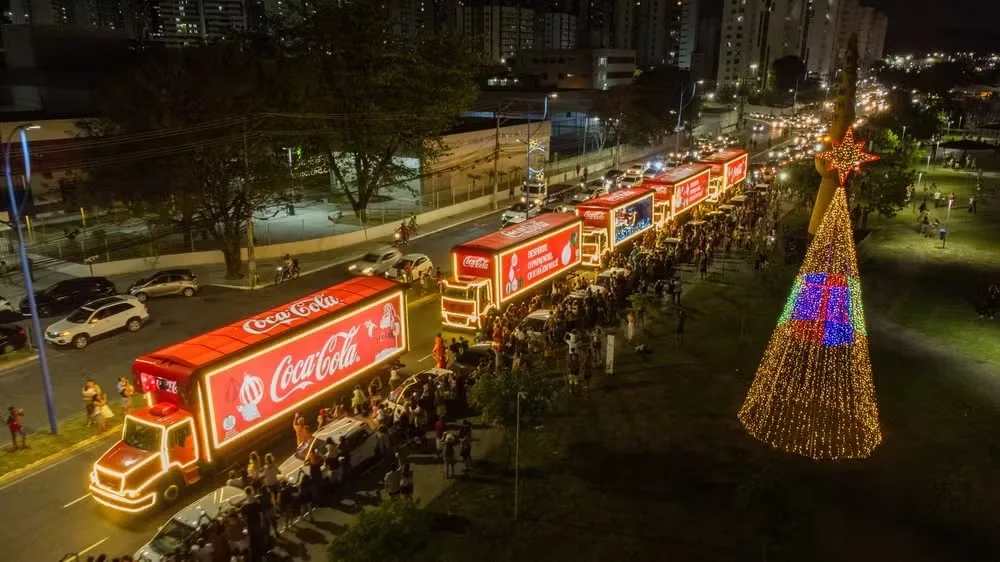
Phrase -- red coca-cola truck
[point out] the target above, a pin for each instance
(508, 264)
(212, 398)
(729, 169)
(676, 190)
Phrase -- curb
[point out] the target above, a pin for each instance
(18, 363)
(30, 468)
(351, 258)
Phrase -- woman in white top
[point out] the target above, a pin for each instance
(269, 474)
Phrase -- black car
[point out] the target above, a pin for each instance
(614, 174)
(12, 338)
(66, 296)
(468, 360)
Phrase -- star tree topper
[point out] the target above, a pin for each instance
(846, 156)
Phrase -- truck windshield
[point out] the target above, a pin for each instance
(142, 436)
(457, 292)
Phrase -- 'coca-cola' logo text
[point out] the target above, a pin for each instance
(526, 228)
(595, 215)
(476, 262)
(298, 310)
(338, 353)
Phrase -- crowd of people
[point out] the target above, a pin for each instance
(580, 313)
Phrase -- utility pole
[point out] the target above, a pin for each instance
(496, 158)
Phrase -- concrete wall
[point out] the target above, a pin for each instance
(273, 251)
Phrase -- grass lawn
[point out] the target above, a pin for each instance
(912, 281)
(655, 465)
(17, 355)
(42, 443)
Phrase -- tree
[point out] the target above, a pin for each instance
(495, 395)
(880, 189)
(801, 178)
(788, 71)
(367, 96)
(390, 532)
(645, 111)
(198, 158)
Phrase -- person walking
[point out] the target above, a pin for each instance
(703, 267)
(125, 393)
(14, 416)
(577, 168)
(440, 353)
(585, 173)
(449, 455)
(630, 327)
(972, 204)
(102, 412)
(90, 390)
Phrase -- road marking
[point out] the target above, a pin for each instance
(92, 547)
(422, 359)
(77, 500)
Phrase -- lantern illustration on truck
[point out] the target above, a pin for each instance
(507, 265)
(215, 396)
(613, 220)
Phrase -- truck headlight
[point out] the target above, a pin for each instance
(131, 493)
(93, 477)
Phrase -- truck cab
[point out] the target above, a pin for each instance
(593, 245)
(158, 455)
(534, 192)
(465, 301)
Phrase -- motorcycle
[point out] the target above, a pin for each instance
(286, 273)
(399, 240)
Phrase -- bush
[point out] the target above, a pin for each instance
(393, 531)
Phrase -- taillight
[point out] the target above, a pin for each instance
(20, 331)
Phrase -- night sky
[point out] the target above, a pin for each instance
(928, 25)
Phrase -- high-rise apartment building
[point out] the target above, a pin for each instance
(739, 41)
(555, 31)
(875, 46)
(650, 27)
(502, 30)
(822, 36)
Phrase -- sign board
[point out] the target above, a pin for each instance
(538, 260)
(609, 355)
(689, 193)
(244, 395)
(632, 219)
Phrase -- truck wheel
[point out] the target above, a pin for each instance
(170, 491)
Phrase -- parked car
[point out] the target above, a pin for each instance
(359, 439)
(534, 323)
(165, 283)
(101, 317)
(519, 212)
(376, 262)
(468, 360)
(12, 338)
(396, 398)
(67, 295)
(419, 264)
(613, 175)
(635, 170)
(7, 311)
(600, 285)
(179, 529)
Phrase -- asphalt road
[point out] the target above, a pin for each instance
(55, 499)
(49, 513)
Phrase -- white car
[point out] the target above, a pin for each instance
(98, 318)
(376, 262)
(534, 323)
(590, 190)
(519, 212)
(635, 170)
(629, 181)
(182, 526)
(600, 285)
(419, 264)
(358, 436)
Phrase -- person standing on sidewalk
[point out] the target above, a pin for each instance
(681, 320)
(578, 169)
(449, 455)
(90, 390)
(125, 392)
(585, 173)
(14, 416)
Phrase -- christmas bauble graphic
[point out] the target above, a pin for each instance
(251, 393)
(567, 254)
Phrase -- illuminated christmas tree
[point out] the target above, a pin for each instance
(813, 392)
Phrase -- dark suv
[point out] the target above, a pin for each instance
(68, 295)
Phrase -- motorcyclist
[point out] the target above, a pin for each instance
(404, 233)
(287, 262)
(413, 223)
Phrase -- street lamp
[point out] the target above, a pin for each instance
(36, 326)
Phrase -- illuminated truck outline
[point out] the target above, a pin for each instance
(364, 324)
(600, 229)
(729, 168)
(477, 285)
(679, 189)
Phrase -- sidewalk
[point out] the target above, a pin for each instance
(308, 540)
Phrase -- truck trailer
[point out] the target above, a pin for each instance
(678, 189)
(213, 398)
(507, 265)
(613, 220)
(729, 169)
